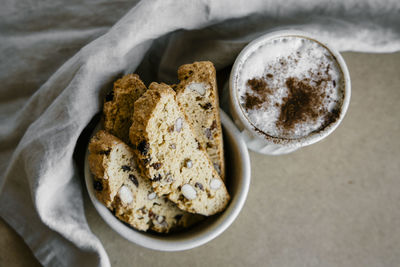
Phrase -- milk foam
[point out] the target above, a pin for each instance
(285, 57)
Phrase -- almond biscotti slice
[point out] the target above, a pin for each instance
(122, 189)
(171, 156)
(118, 106)
(197, 93)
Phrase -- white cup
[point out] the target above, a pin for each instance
(254, 138)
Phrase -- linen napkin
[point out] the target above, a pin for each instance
(46, 101)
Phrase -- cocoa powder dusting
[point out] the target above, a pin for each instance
(258, 85)
(260, 94)
(331, 117)
(302, 103)
(252, 102)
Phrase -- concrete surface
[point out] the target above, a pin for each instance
(335, 203)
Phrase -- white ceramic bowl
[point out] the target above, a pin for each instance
(238, 180)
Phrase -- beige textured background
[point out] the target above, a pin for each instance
(335, 203)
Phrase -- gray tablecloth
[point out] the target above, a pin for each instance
(58, 59)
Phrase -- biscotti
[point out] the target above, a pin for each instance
(118, 106)
(197, 93)
(170, 155)
(123, 190)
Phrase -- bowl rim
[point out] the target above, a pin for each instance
(225, 220)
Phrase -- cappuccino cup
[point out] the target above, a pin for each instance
(288, 90)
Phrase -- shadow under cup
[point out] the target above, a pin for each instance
(256, 139)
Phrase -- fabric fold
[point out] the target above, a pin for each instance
(40, 191)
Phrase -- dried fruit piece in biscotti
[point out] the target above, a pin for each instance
(197, 93)
(169, 154)
(118, 106)
(123, 190)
